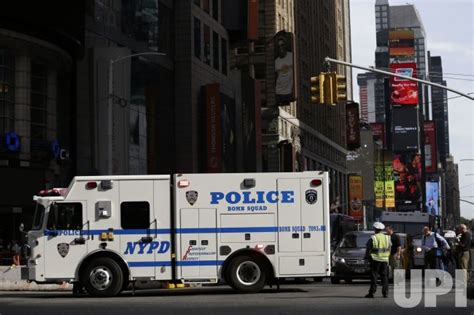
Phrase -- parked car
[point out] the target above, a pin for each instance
(348, 259)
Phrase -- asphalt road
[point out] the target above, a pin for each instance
(309, 298)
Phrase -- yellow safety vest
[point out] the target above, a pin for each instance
(380, 247)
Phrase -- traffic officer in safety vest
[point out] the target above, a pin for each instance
(378, 253)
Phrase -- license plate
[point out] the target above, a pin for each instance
(359, 270)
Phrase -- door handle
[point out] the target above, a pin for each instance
(146, 239)
(204, 242)
(307, 235)
(79, 241)
(295, 235)
(192, 242)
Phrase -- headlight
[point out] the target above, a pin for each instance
(419, 250)
(336, 259)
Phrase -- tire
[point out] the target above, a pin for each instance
(335, 280)
(246, 274)
(318, 279)
(103, 277)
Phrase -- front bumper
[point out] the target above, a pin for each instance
(359, 270)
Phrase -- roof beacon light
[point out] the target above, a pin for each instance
(91, 185)
(183, 183)
(316, 182)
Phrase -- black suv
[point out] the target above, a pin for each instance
(348, 259)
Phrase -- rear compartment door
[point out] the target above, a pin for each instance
(289, 216)
(198, 257)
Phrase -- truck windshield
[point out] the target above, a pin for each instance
(38, 218)
(355, 241)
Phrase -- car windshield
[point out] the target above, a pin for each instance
(355, 240)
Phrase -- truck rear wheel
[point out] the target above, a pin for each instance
(103, 277)
(246, 274)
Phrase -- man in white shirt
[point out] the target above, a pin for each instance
(284, 73)
(432, 243)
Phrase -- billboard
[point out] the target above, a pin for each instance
(378, 131)
(252, 19)
(403, 91)
(384, 182)
(407, 175)
(284, 68)
(213, 126)
(432, 198)
(356, 196)
(431, 162)
(353, 128)
(228, 134)
(405, 129)
(401, 46)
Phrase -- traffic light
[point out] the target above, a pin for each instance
(338, 83)
(317, 89)
(329, 91)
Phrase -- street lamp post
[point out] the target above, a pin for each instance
(111, 101)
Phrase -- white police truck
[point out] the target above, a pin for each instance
(247, 230)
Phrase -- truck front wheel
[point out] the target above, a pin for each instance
(103, 277)
(246, 274)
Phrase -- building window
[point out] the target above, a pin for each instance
(215, 50)
(224, 55)
(207, 44)
(215, 9)
(7, 88)
(197, 38)
(39, 97)
(165, 32)
(140, 20)
(65, 216)
(205, 6)
(135, 215)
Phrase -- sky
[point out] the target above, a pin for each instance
(449, 33)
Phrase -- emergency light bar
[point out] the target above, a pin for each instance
(51, 192)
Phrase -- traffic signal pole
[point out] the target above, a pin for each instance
(372, 69)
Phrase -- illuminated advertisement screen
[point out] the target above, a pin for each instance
(405, 129)
(401, 44)
(407, 174)
(430, 147)
(432, 197)
(403, 91)
(356, 196)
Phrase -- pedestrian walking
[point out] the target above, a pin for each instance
(433, 244)
(377, 253)
(463, 250)
(16, 250)
(395, 250)
(407, 255)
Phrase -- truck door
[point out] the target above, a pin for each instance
(289, 217)
(198, 243)
(304, 217)
(65, 244)
(137, 221)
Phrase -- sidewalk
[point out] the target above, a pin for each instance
(10, 280)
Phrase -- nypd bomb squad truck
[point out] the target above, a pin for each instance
(247, 230)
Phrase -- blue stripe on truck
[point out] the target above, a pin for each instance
(183, 263)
